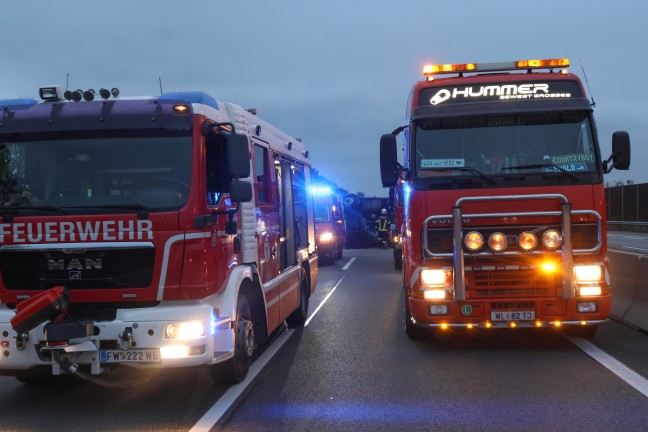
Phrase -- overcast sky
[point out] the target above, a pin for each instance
(335, 73)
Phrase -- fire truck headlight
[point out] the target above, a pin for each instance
(434, 294)
(588, 273)
(497, 242)
(474, 241)
(527, 241)
(326, 237)
(436, 277)
(552, 239)
(590, 290)
(185, 330)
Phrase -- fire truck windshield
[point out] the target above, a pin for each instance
(497, 146)
(108, 174)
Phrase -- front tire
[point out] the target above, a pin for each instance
(235, 370)
(298, 317)
(412, 330)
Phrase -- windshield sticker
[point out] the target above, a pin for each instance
(579, 157)
(573, 167)
(442, 163)
(506, 91)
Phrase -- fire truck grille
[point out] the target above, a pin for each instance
(512, 283)
(83, 269)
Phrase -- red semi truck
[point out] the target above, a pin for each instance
(504, 200)
(147, 232)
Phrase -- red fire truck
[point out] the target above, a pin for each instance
(154, 232)
(504, 200)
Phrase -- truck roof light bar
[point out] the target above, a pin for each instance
(430, 70)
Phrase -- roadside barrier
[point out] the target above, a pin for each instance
(629, 280)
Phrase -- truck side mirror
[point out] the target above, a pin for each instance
(240, 191)
(621, 150)
(388, 160)
(238, 156)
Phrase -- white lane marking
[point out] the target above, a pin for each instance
(325, 299)
(613, 365)
(347, 265)
(228, 400)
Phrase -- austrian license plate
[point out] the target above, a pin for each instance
(512, 315)
(149, 355)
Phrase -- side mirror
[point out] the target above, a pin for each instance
(240, 191)
(621, 150)
(238, 156)
(388, 160)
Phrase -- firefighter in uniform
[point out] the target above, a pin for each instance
(382, 225)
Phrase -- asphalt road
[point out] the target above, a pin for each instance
(353, 368)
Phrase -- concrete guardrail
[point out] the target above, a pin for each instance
(629, 281)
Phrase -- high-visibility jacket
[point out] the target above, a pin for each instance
(382, 223)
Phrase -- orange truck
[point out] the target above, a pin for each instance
(147, 233)
(504, 206)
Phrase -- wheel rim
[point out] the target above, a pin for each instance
(246, 333)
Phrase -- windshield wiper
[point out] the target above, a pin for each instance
(468, 169)
(537, 166)
(144, 210)
(15, 209)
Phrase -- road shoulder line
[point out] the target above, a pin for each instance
(631, 377)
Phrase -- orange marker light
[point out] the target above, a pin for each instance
(513, 324)
(444, 326)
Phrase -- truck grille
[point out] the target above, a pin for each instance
(83, 269)
(501, 282)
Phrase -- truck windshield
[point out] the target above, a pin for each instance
(111, 174)
(498, 145)
(322, 213)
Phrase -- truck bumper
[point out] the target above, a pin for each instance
(508, 313)
(135, 338)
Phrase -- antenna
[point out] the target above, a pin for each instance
(67, 81)
(587, 82)
(161, 92)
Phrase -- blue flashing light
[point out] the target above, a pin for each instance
(190, 97)
(23, 103)
(320, 190)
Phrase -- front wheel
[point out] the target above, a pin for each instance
(298, 317)
(412, 330)
(236, 369)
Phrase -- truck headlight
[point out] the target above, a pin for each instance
(474, 241)
(185, 330)
(588, 273)
(327, 236)
(435, 277)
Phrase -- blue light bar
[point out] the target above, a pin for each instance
(320, 190)
(190, 97)
(17, 102)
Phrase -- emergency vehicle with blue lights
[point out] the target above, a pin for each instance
(330, 229)
(147, 232)
(504, 200)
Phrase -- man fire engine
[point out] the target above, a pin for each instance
(504, 199)
(155, 232)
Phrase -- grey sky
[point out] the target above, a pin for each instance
(335, 73)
